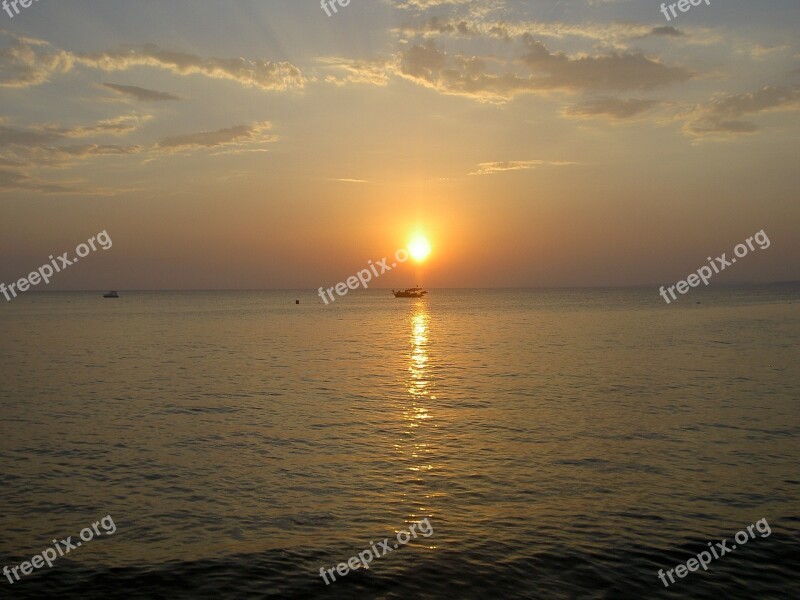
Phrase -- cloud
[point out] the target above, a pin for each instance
(459, 75)
(140, 93)
(41, 151)
(666, 30)
(722, 116)
(121, 125)
(355, 71)
(38, 140)
(86, 150)
(612, 108)
(12, 136)
(24, 149)
(261, 73)
(11, 180)
(222, 137)
(426, 4)
(41, 135)
(26, 62)
(15, 180)
(759, 53)
(612, 71)
(489, 168)
(615, 34)
(547, 71)
(436, 26)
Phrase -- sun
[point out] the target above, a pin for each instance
(419, 248)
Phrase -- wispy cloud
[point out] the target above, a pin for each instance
(618, 34)
(259, 73)
(25, 62)
(427, 4)
(490, 168)
(611, 108)
(355, 71)
(11, 180)
(48, 133)
(26, 149)
(222, 137)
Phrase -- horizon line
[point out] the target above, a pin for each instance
(315, 290)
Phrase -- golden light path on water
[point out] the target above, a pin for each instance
(419, 421)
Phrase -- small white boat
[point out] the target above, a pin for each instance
(111, 294)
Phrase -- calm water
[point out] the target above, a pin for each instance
(564, 444)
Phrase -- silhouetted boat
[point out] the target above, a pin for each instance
(415, 292)
(111, 294)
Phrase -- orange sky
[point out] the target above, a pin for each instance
(266, 145)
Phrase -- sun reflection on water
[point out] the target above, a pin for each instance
(418, 384)
(419, 421)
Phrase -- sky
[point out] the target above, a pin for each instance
(257, 144)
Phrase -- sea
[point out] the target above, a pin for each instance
(560, 443)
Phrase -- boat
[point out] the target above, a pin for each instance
(111, 294)
(415, 292)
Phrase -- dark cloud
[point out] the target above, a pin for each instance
(722, 116)
(612, 71)
(13, 136)
(547, 71)
(667, 30)
(140, 93)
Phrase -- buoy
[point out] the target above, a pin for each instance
(297, 301)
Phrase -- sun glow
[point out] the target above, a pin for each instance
(419, 248)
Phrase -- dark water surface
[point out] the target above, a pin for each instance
(563, 444)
